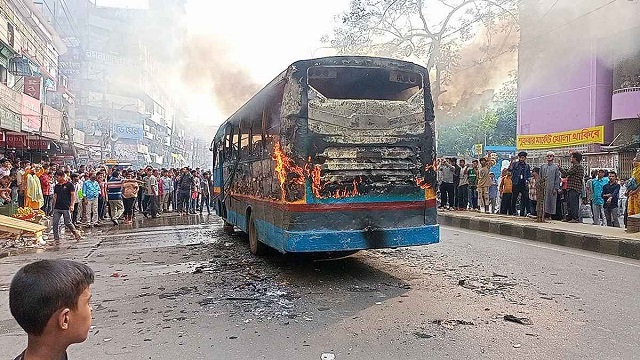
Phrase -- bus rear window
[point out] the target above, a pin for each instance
(356, 83)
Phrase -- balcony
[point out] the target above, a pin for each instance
(626, 103)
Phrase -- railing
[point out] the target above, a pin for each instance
(630, 89)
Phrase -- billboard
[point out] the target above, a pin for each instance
(30, 114)
(51, 123)
(591, 135)
(128, 131)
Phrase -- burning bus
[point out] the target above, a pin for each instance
(335, 154)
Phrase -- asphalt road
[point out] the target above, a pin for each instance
(181, 288)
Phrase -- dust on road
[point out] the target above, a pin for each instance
(190, 290)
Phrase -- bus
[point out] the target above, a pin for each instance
(335, 154)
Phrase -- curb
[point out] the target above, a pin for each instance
(578, 240)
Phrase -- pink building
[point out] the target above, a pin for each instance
(579, 67)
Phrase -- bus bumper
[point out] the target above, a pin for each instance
(321, 241)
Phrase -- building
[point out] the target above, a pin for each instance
(35, 103)
(579, 80)
(116, 66)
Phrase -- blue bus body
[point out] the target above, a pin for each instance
(335, 154)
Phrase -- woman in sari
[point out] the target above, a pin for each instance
(633, 199)
(33, 197)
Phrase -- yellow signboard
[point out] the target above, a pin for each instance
(477, 149)
(592, 135)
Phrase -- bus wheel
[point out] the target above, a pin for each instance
(255, 246)
(228, 228)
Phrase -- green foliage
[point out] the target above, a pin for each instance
(494, 124)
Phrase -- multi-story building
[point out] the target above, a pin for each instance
(35, 104)
(579, 80)
(115, 66)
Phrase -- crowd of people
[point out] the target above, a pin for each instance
(548, 191)
(90, 196)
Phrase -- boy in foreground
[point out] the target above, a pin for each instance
(50, 300)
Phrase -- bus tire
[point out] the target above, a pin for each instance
(256, 247)
(228, 228)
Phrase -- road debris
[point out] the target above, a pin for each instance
(518, 320)
(328, 356)
(422, 335)
(452, 323)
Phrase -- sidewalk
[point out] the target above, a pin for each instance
(606, 240)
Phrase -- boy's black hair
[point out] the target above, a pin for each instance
(41, 288)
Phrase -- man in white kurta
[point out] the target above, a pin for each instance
(550, 172)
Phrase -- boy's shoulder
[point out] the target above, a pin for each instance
(21, 356)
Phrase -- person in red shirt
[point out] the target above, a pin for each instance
(47, 190)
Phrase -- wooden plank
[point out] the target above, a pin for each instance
(12, 225)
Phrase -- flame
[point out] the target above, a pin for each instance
(429, 192)
(316, 186)
(284, 166)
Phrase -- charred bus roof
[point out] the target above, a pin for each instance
(253, 107)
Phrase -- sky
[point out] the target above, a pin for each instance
(263, 37)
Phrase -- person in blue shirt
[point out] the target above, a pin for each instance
(493, 192)
(611, 194)
(597, 201)
(91, 192)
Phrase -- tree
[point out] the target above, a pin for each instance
(430, 30)
(494, 124)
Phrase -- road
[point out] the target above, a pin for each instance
(181, 288)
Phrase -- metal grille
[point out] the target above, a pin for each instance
(393, 164)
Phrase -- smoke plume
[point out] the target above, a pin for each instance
(207, 66)
(485, 63)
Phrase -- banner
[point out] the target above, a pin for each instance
(31, 117)
(592, 135)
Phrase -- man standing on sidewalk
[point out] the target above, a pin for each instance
(597, 201)
(114, 196)
(151, 194)
(64, 196)
(472, 175)
(533, 192)
(610, 194)
(484, 182)
(447, 170)
(520, 174)
(574, 176)
(550, 175)
(91, 192)
(463, 186)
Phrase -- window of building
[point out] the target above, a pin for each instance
(4, 78)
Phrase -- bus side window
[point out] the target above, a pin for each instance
(245, 139)
(227, 146)
(271, 122)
